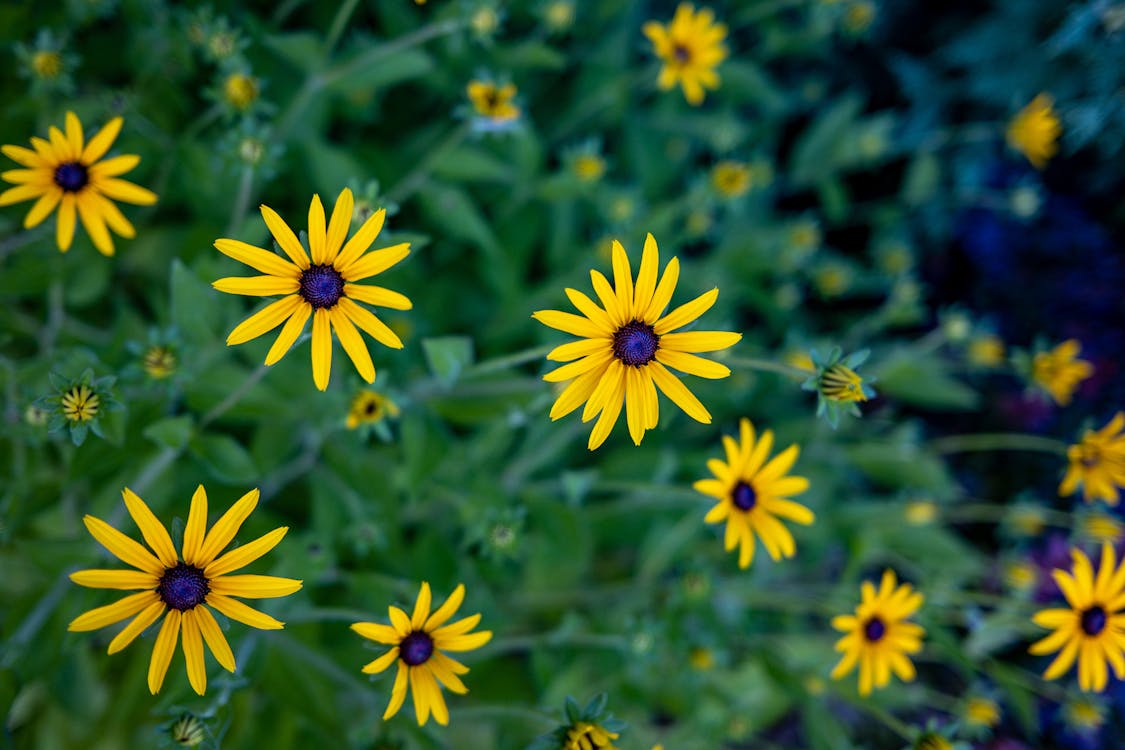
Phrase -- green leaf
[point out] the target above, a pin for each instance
(922, 380)
(448, 356)
(302, 49)
(401, 66)
(816, 154)
(225, 459)
(171, 432)
(468, 164)
(194, 311)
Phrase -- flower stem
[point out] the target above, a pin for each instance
(996, 441)
(339, 22)
(765, 365)
(242, 200)
(509, 360)
(504, 712)
(554, 640)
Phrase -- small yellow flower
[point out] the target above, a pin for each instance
(1089, 628)
(1035, 131)
(731, 179)
(370, 407)
(240, 91)
(588, 167)
(181, 586)
(1059, 371)
(80, 403)
(858, 16)
(800, 359)
(1097, 462)
(1084, 714)
(485, 21)
(493, 102)
(159, 362)
(920, 512)
(1020, 575)
(1101, 528)
(47, 63)
(701, 659)
(753, 494)
(842, 383)
(586, 736)
(691, 48)
(1027, 520)
(878, 637)
(832, 279)
(559, 15)
(418, 645)
(932, 741)
(986, 350)
(981, 712)
(68, 172)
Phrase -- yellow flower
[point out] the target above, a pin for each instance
(731, 179)
(979, 711)
(701, 659)
(418, 643)
(47, 63)
(80, 403)
(1035, 131)
(1020, 575)
(493, 102)
(1090, 628)
(1084, 714)
(878, 637)
(858, 16)
(323, 288)
(181, 585)
(370, 407)
(1097, 463)
(586, 736)
(240, 91)
(588, 167)
(159, 362)
(800, 359)
(841, 383)
(753, 494)
(986, 351)
(932, 741)
(627, 346)
(187, 731)
(1059, 371)
(559, 15)
(1027, 520)
(68, 172)
(920, 512)
(691, 48)
(1101, 528)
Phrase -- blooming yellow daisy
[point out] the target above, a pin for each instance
(493, 102)
(69, 173)
(181, 585)
(1097, 463)
(323, 288)
(753, 494)
(370, 407)
(627, 347)
(731, 179)
(878, 637)
(1091, 629)
(1059, 371)
(1035, 131)
(691, 48)
(980, 711)
(418, 643)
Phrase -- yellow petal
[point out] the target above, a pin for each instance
(24, 156)
(699, 341)
(321, 349)
(590, 310)
(257, 286)
(569, 323)
(692, 365)
(111, 613)
(381, 664)
(289, 333)
(241, 556)
(193, 652)
(128, 580)
(22, 193)
(124, 548)
(317, 238)
(446, 610)
(285, 238)
(361, 240)
(575, 394)
(214, 637)
(663, 294)
(610, 411)
(236, 610)
(42, 208)
(398, 692)
(114, 167)
(353, 344)
(226, 527)
(686, 313)
(268, 263)
(74, 137)
(366, 321)
(162, 650)
(265, 320)
(646, 276)
(622, 279)
(137, 626)
(94, 224)
(377, 632)
(671, 386)
(196, 527)
(64, 228)
(97, 146)
(421, 607)
(578, 349)
(151, 529)
(122, 190)
(374, 262)
(338, 226)
(254, 586)
(378, 296)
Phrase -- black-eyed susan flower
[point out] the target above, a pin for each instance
(322, 288)
(418, 645)
(180, 588)
(493, 105)
(932, 739)
(69, 173)
(1091, 629)
(1085, 715)
(1035, 131)
(586, 736)
(1097, 462)
(586, 728)
(753, 493)
(369, 407)
(837, 384)
(627, 345)
(731, 179)
(691, 47)
(558, 15)
(1059, 371)
(879, 638)
(980, 713)
(47, 62)
(1100, 528)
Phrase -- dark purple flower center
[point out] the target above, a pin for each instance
(744, 497)
(681, 53)
(322, 286)
(635, 343)
(183, 587)
(1094, 620)
(416, 648)
(874, 630)
(71, 176)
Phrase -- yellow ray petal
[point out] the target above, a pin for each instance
(151, 529)
(569, 323)
(257, 286)
(265, 320)
(74, 136)
(285, 238)
(111, 613)
(646, 276)
(64, 228)
(251, 586)
(466, 642)
(663, 294)
(124, 548)
(400, 621)
(289, 333)
(581, 348)
(122, 190)
(114, 167)
(612, 378)
(446, 610)
(443, 669)
(613, 309)
(436, 700)
(671, 387)
(112, 215)
(127, 580)
(596, 361)
(97, 146)
(686, 312)
(590, 310)
(376, 632)
(361, 240)
(378, 296)
(421, 607)
(42, 208)
(338, 226)
(226, 527)
(381, 664)
(22, 193)
(623, 280)
(24, 156)
(137, 626)
(196, 527)
(162, 650)
(575, 394)
(353, 344)
(699, 341)
(692, 365)
(366, 321)
(321, 350)
(610, 411)
(460, 627)
(240, 557)
(193, 652)
(236, 610)
(268, 263)
(94, 224)
(216, 641)
(317, 236)
(398, 692)
(634, 411)
(374, 262)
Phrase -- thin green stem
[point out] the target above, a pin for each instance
(996, 441)
(339, 22)
(554, 640)
(765, 365)
(241, 200)
(508, 360)
(511, 712)
(17, 241)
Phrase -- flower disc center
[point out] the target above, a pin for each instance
(874, 629)
(416, 648)
(635, 343)
(681, 53)
(744, 497)
(1094, 620)
(321, 286)
(183, 587)
(71, 176)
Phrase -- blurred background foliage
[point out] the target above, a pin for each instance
(874, 205)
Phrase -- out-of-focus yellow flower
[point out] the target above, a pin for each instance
(1020, 575)
(493, 102)
(986, 350)
(731, 179)
(1097, 462)
(691, 46)
(240, 91)
(920, 512)
(1059, 371)
(588, 167)
(1035, 131)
